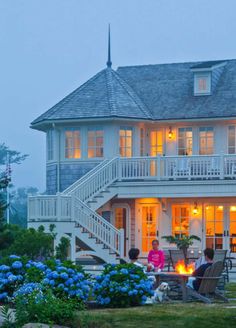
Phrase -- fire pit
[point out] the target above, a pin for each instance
(182, 268)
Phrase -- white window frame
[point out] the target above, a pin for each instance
(197, 78)
(73, 148)
(205, 137)
(234, 146)
(126, 128)
(95, 146)
(185, 129)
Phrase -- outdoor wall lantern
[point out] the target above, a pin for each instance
(195, 209)
(170, 133)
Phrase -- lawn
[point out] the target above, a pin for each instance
(166, 315)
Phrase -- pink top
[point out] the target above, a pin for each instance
(157, 258)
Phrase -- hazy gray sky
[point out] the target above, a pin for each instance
(49, 47)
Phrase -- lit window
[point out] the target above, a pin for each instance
(95, 142)
(202, 84)
(72, 144)
(126, 142)
(185, 141)
(180, 220)
(206, 140)
(156, 143)
(50, 141)
(231, 140)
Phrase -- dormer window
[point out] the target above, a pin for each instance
(202, 84)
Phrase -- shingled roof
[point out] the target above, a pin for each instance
(104, 95)
(155, 92)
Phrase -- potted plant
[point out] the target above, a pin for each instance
(182, 242)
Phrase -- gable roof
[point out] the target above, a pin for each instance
(155, 92)
(104, 95)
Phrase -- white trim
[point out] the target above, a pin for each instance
(128, 222)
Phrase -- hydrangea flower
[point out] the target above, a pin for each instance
(17, 265)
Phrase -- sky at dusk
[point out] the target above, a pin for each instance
(50, 47)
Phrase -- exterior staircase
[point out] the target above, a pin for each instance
(78, 204)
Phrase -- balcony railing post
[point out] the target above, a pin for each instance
(122, 243)
(158, 168)
(222, 166)
(119, 169)
(58, 214)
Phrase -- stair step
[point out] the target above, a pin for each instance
(105, 191)
(98, 196)
(92, 202)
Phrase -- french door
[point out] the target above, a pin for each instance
(220, 227)
(149, 225)
(121, 221)
(156, 148)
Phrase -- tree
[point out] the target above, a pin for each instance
(18, 204)
(7, 157)
(15, 157)
(62, 250)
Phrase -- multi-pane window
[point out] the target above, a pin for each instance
(95, 142)
(202, 84)
(156, 143)
(50, 141)
(142, 142)
(206, 140)
(185, 141)
(180, 220)
(72, 144)
(126, 142)
(231, 140)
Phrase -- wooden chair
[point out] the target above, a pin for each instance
(175, 256)
(220, 255)
(182, 169)
(208, 286)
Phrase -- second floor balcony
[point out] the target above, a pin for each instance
(195, 167)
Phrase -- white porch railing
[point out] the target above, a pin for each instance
(178, 167)
(99, 227)
(49, 207)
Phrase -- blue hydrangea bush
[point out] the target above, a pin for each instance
(20, 277)
(122, 286)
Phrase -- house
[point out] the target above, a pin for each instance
(139, 153)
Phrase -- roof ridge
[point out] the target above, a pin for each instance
(175, 63)
(110, 91)
(133, 95)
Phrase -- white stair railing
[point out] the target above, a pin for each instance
(87, 188)
(77, 183)
(99, 228)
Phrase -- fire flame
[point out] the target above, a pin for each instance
(181, 268)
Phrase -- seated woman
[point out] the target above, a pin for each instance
(133, 256)
(156, 257)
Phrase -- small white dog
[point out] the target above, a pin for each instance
(160, 293)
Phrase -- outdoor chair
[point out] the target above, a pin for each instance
(182, 169)
(175, 256)
(214, 168)
(208, 286)
(220, 255)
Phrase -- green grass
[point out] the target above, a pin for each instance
(168, 315)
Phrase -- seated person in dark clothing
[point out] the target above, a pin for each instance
(209, 255)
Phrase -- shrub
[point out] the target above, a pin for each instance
(43, 306)
(65, 280)
(122, 286)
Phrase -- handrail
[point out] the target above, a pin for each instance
(84, 177)
(98, 226)
(97, 181)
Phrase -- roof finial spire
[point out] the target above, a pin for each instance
(109, 63)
